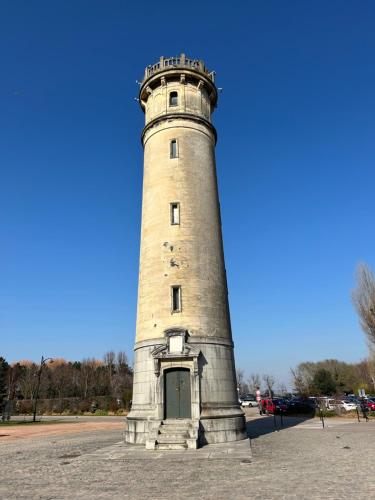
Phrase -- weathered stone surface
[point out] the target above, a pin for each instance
(185, 253)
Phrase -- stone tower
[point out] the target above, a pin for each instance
(184, 392)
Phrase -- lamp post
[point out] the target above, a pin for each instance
(42, 363)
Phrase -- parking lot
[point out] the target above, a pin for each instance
(300, 460)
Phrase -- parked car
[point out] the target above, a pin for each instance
(371, 404)
(349, 405)
(343, 404)
(352, 398)
(248, 400)
(301, 405)
(266, 405)
(274, 406)
(281, 405)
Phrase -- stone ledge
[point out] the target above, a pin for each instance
(236, 451)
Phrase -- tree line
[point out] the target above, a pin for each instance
(320, 378)
(111, 376)
(331, 377)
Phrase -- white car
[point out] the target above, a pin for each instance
(341, 403)
(348, 405)
(248, 401)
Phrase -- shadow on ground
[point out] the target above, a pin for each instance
(266, 424)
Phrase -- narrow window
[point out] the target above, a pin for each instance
(173, 99)
(176, 298)
(175, 213)
(173, 151)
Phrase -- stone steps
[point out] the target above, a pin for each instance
(174, 435)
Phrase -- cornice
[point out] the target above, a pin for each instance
(179, 116)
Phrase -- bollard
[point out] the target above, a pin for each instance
(359, 420)
(321, 416)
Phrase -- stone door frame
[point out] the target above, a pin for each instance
(165, 359)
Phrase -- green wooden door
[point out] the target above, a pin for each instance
(177, 394)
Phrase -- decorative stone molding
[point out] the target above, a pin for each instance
(175, 347)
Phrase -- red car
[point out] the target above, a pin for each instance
(371, 404)
(274, 406)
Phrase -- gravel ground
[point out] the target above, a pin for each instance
(300, 461)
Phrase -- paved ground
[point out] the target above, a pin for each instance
(301, 461)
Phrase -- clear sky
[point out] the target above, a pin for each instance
(295, 159)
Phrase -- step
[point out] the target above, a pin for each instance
(174, 432)
(175, 426)
(164, 438)
(171, 446)
(177, 421)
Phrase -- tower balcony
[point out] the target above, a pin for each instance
(178, 85)
(182, 62)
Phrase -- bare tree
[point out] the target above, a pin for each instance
(269, 380)
(240, 374)
(122, 360)
(122, 378)
(89, 367)
(364, 302)
(110, 361)
(28, 378)
(254, 382)
(282, 389)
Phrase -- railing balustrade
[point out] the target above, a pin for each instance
(181, 61)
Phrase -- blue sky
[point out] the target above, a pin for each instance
(295, 159)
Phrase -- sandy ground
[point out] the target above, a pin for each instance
(29, 431)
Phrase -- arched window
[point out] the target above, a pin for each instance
(173, 99)
(174, 151)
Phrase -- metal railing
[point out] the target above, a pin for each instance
(178, 62)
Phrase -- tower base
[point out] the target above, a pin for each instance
(186, 398)
(184, 433)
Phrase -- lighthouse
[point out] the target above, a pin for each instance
(184, 389)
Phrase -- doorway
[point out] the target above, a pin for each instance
(177, 393)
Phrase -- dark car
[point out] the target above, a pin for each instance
(281, 405)
(301, 405)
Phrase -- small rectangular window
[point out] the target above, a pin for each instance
(173, 150)
(176, 298)
(175, 213)
(173, 99)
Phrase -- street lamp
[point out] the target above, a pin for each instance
(42, 363)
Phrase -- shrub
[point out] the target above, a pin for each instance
(84, 406)
(326, 413)
(101, 413)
